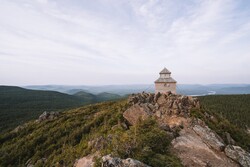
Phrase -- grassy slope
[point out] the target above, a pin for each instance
(18, 105)
(66, 138)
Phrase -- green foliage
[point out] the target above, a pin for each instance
(145, 142)
(69, 137)
(236, 108)
(91, 98)
(62, 140)
(18, 105)
(220, 119)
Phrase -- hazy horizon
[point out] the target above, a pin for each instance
(108, 42)
(145, 84)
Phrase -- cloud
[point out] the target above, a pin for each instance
(87, 40)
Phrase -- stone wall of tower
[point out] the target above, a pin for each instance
(165, 87)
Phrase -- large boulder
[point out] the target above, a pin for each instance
(134, 113)
(238, 154)
(109, 161)
(194, 152)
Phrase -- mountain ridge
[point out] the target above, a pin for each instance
(18, 105)
(164, 121)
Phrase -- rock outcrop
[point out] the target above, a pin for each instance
(48, 116)
(109, 161)
(192, 140)
(87, 161)
(238, 154)
(209, 137)
(230, 140)
(162, 106)
(196, 144)
(136, 112)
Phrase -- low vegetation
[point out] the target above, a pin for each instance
(79, 132)
(101, 128)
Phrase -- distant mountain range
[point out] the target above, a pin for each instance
(186, 89)
(18, 105)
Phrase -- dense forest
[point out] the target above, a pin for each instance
(236, 108)
(18, 105)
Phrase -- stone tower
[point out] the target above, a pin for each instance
(165, 83)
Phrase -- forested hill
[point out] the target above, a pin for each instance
(145, 128)
(18, 105)
(235, 108)
(91, 98)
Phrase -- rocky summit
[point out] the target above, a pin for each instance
(165, 107)
(193, 141)
(157, 130)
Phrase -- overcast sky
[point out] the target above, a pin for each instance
(86, 42)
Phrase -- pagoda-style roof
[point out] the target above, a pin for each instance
(165, 71)
(165, 80)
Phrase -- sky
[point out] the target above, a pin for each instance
(105, 42)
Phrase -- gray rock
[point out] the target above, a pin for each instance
(48, 116)
(157, 96)
(175, 105)
(157, 106)
(239, 155)
(98, 143)
(165, 127)
(209, 137)
(151, 106)
(230, 140)
(158, 113)
(109, 161)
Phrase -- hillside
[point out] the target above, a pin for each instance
(18, 105)
(154, 129)
(91, 98)
(236, 108)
